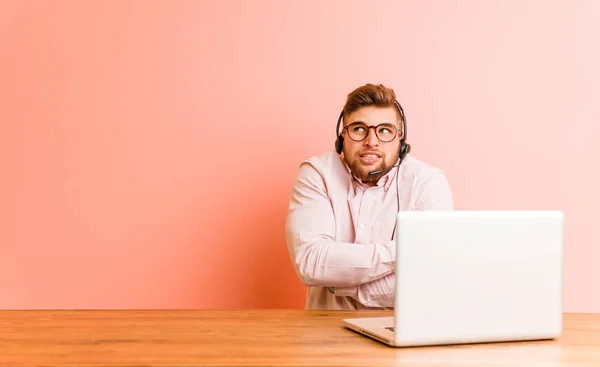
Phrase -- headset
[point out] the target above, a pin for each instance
(402, 152)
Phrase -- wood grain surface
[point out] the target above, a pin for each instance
(257, 338)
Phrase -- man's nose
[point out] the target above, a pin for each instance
(371, 139)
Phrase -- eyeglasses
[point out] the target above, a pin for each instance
(385, 132)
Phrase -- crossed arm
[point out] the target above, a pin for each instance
(318, 259)
(364, 272)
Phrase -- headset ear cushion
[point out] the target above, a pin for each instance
(339, 144)
(404, 149)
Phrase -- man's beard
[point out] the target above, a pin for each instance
(363, 174)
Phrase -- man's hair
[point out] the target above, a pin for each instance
(370, 95)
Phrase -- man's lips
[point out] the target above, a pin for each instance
(370, 154)
(369, 158)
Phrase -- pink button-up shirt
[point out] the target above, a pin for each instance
(339, 230)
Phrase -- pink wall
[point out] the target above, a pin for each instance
(149, 148)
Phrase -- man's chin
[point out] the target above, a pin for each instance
(363, 173)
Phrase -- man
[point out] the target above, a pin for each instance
(342, 211)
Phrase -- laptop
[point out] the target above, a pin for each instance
(473, 277)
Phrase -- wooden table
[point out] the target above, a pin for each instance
(257, 338)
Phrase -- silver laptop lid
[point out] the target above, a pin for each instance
(466, 276)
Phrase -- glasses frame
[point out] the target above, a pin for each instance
(387, 124)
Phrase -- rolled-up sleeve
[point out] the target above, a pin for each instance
(318, 259)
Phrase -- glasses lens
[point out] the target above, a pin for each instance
(357, 131)
(386, 132)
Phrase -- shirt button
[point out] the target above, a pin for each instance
(362, 226)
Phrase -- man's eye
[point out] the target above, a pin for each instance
(385, 130)
(359, 129)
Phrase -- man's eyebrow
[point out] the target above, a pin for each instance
(381, 123)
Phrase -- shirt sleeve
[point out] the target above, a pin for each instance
(435, 194)
(379, 293)
(318, 259)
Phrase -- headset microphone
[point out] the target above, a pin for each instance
(381, 170)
